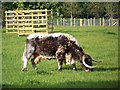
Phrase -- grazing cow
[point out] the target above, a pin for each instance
(63, 47)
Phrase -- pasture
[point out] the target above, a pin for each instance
(100, 42)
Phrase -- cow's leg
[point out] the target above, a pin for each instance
(28, 52)
(60, 55)
(37, 59)
(25, 60)
(33, 64)
(73, 63)
(34, 60)
(74, 67)
(60, 62)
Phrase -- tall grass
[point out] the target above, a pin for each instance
(100, 42)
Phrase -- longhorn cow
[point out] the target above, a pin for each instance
(61, 46)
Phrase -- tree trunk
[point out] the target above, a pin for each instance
(71, 15)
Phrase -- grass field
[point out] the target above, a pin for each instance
(100, 42)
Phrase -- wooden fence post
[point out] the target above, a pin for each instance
(103, 21)
(23, 20)
(74, 22)
(109, 21)
(100, 21)
(13, 21)
(52, 18)
(6, 22)
(71, 22)
(63, 22)
(80, 22)
(84, 22)
(88, 20)
(32, 22)
(46, 20)
(94, 21)
(17, 20)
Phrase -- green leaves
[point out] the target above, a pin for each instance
(69, 9)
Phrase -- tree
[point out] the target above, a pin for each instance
(111, 9)
(71, 8)
(19, 4)
(95, 9)
(67, 9)
(5, 7)
(56, 6)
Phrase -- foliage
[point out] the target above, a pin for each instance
(112, 9)
(72, 10)
(96, 9)
(100, 42)
(68, 9)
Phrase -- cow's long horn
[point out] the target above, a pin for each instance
(96, 60)
(86, 65)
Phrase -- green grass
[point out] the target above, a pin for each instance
(100, 42)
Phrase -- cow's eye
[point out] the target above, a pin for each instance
(89, 60)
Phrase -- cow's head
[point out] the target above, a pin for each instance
(87, 62)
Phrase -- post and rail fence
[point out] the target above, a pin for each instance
(24, 22)
(86, 22)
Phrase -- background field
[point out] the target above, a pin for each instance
(100, 42)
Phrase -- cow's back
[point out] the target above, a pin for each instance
(70, 37)
(47, 44)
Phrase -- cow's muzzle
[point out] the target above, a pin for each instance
(88, 67)
(24, 69)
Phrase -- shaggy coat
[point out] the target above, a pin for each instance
(63, 47)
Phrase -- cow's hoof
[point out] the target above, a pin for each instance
(87, 70)
(91, 69)
(24, 69)
(75, 69)
(35, 68)
(59, 70)
(36, 62)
